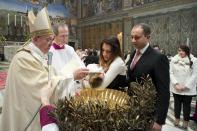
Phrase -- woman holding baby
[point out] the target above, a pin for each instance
(111, 61)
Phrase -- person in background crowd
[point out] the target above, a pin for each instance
(127, 57)
(183, 75)
(156, 47)
(147, 61)
(92, 58)
(194, 116)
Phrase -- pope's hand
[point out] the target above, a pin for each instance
(80, 73)
(46, 93)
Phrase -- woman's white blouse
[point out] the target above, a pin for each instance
(117, 67)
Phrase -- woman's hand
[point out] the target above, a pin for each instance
(181, 88)
(178, 87)
(184, 88)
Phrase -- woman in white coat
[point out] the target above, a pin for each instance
(183, 76)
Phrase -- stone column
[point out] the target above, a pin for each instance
(127, 24)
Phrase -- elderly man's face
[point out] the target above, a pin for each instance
(44, 42)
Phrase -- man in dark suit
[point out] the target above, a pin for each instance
(147, 61)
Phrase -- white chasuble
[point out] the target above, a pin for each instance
(27, 74)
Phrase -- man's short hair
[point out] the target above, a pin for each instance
(145, 27)
(56, 27)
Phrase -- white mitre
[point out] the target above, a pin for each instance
(41, 24)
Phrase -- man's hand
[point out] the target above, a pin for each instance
(80, 73)
(46, 93)
(156, 127)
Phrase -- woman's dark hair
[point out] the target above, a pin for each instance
(115, 50)
(186, 49)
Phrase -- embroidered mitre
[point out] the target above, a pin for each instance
(39, 25)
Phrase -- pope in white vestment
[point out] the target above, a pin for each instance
(27, 75)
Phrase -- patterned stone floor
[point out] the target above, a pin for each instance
(169, 122)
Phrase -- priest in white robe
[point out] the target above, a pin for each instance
(65, 59)
(28, 74)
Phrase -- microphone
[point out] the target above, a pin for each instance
(50, 54)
